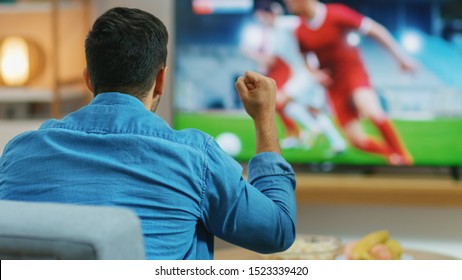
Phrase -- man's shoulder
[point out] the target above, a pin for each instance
(192, 137)
(20, 142)
(147, 127)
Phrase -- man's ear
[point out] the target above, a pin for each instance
(160, 82)
(86, 78)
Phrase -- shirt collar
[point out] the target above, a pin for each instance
(114, 98)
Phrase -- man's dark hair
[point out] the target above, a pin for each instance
(125, 49)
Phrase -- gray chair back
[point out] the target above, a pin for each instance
(32, 230)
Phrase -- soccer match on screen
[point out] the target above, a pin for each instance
(362, 83)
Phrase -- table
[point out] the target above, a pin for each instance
(237, 253)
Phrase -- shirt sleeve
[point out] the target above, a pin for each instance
(346, 17)
(258, 214)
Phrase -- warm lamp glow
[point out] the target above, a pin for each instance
(14, 61)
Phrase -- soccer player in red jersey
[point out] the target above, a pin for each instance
(322, 30)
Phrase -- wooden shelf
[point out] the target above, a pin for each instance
(28, 94)
(378, 190)
(58, 27)
(33, 7)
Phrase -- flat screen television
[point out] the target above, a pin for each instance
(425, 108)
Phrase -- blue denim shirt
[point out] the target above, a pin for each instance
(184, 188)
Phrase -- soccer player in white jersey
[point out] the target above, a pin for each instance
(300, 98)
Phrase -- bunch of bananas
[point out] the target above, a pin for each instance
(376, 245)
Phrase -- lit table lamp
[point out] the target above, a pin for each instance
(19, 61)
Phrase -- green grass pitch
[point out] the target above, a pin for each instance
(431, 143)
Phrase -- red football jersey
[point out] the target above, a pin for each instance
(328, 42)
(325, 35)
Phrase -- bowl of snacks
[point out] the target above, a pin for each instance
(376, 245)
(309, 247)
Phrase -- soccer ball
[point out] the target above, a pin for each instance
(230, 143)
